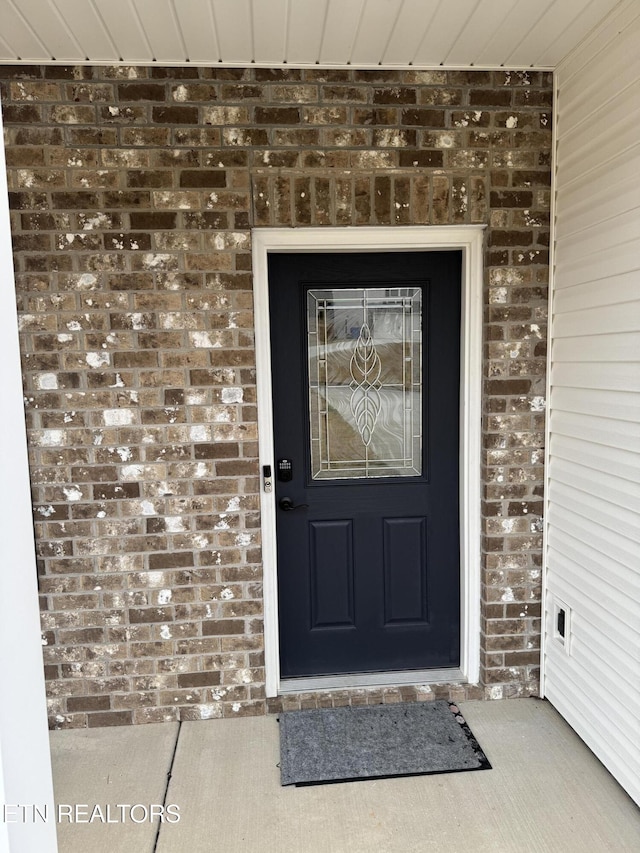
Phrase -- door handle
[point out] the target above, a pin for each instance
(287, 505)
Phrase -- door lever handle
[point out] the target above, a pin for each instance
(287, 505)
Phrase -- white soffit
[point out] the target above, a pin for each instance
(363, 33)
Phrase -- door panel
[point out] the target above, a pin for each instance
(331, 565)
(406, 596)
(365, 364)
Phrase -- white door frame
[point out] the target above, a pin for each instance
(468, 238)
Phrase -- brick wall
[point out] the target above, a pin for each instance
(133, 192)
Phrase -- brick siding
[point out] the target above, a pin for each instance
(133, 195)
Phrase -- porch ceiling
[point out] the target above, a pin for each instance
(364, 33)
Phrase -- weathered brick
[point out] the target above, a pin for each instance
(423, 118)
(109, 718)
(509, 198)
(198, 679)
(421, 159)
(120, 491)
(175, 115)
(277, 115)
(394, 95)
(203, 178)
(141, 92)
(88, 703)
(152, 325)
(343, 93)
(220, 627)
(21, 114)
(170, 561)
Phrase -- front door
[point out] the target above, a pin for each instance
(366, 377)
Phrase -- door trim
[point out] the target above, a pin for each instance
(467, 238)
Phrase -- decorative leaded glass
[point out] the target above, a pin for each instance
(365, 382)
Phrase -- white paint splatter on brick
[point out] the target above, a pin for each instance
(132, 472)
(138, 321)
(195, 397)
(174, 524)
(97, 359)
(508, 595)
(87, 281)
(99, 220)
(234, 504)
(46, 511)
(46, 382)
(147, 508)
(201, 340)
(156, 261)
(73, 493)
(199, 432)
(53, 437)
(537, 404)
(180, 93)
(227, 593)
(164, 596)
(223, 416)
(207, 712)
(232, 395)
(165, 632)
(236, 707)
(243, 539)
(512, 122)
(118, 417)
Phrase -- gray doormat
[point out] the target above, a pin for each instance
(376, 741)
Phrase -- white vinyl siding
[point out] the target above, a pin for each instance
(593, 499)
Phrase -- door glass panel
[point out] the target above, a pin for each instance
(365, 382)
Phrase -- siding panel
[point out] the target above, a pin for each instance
(614, 404)
(593, 494)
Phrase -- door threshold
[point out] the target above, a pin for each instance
(354, 681)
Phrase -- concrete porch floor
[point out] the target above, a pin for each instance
(546, 792)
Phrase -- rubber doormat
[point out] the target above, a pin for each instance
(376, 742)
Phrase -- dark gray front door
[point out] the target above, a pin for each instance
(366, 363)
